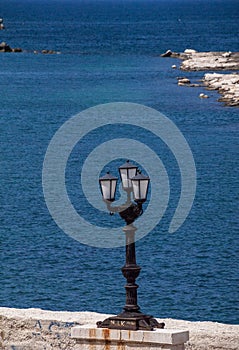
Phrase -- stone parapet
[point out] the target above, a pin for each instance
(92, 338)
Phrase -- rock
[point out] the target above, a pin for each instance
(49, 52)
(17, 49)
(183, 81)
(227, 54)
(168, 53)
(1, 24)
(189, 51)
(194, 85)
(174, 66)
(171, 54)
(4, 47)
(203, 96)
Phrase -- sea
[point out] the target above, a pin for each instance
(109, 51)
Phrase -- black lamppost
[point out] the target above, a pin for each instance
(135, 183)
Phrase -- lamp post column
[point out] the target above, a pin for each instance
(130, 270)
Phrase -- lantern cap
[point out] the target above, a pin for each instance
(140, 176)
(128, 165)
(108, 176)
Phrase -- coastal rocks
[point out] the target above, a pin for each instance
(196, 61)
(4, 47)
(181, 55)
(183, 81)
(226, 84)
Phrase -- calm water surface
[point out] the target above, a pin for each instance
(110, 52)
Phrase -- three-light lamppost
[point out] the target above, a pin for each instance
(136, 185)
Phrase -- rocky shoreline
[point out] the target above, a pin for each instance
(227, 84)
(36, 329)
(4, 47)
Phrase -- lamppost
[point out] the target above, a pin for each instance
(133, 182)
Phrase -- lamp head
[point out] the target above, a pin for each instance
(108, 184)
(140, 185)
(127, 171)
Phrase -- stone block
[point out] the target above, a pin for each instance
(92, 338)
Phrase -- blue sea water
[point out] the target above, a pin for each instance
(110, 53)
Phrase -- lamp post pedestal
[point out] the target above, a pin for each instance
(130, 318)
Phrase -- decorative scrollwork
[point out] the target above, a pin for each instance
(129, 211)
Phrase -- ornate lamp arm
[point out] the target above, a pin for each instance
(128, 211)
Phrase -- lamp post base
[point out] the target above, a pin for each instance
(132, 321)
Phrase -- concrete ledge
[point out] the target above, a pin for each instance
(92, 338)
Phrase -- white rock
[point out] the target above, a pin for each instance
(190, 51)
(184, 81)
(215, 85)
(227, 54)
(203, 95)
